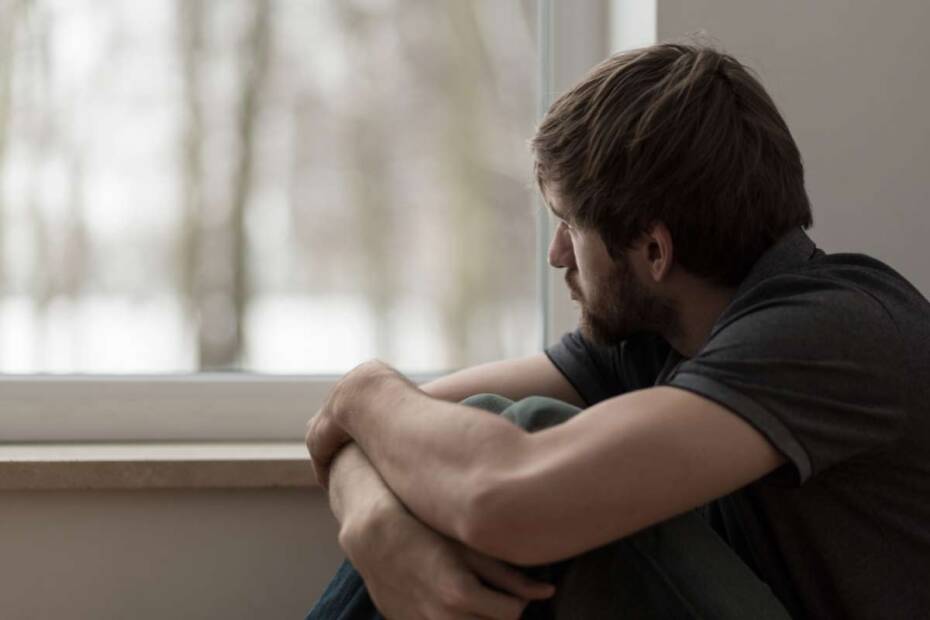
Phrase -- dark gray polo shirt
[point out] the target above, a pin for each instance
(828, 356)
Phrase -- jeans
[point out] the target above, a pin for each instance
(679, 568)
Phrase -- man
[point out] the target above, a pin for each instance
(722, 363)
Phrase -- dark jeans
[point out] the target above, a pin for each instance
(676, 569)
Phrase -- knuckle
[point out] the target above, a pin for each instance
(311, 431)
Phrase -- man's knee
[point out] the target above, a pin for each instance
(532, 413)
(538, 412)
(489, 402)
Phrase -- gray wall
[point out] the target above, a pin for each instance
(853, 81)
(229, 555)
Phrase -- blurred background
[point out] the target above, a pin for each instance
(273, 186)
(290, 186)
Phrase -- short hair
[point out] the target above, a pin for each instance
(683, 134)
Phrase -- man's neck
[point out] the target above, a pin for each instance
(699, 308)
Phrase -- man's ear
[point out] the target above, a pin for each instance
(658, 251)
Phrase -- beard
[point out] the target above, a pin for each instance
(618, 306)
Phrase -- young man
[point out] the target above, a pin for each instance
(722, 363)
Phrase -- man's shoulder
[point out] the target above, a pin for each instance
(832, 283)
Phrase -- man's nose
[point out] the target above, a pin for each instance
(561, 255)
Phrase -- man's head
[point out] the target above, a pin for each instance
(676, 138)
(614, 303)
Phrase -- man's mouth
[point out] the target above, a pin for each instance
(572, 288)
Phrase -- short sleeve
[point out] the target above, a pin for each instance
(818, 370)
(601, 372)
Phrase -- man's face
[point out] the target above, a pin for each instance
(614, 303)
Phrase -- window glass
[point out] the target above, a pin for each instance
(272, 186)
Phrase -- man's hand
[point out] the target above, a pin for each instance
(325, 436)
(413, 572)
(324, 440)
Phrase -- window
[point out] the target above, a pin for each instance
(270, 186)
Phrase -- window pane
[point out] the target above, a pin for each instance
(276, 186)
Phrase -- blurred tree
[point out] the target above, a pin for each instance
(9, 17)
(190, 24)
(468, 212)
(367, 123)
(71, 264)
(214, 260)
(254, 66)
(40, 126)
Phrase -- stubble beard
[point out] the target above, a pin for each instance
(619, 307)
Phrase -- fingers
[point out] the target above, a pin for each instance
(483, 601)
(507, 578)
(319, 467)
(310, 437)
(321, 473)
(323, 440)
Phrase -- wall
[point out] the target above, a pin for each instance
(230, 555)
(852, 80)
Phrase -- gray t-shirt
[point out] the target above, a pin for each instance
(828, 355)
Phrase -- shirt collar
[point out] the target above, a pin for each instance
(792, 250)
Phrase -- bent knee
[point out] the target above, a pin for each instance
(489, 402)
(538, 412)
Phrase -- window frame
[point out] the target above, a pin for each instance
(45, 408)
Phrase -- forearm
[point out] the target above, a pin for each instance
(407, 455)
(355, 483)
(436, 456)
(515, 379)
(356, 487)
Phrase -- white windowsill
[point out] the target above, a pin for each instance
(110, 466)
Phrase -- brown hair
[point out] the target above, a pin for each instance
(682, 134)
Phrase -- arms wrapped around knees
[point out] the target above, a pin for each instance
(410, 570)
(394, 552)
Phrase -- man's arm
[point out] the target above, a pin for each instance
(621, 465)
(411, 570)
(396, 554)
(513, 379)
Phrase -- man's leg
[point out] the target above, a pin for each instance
(679, 568)
(345, 598)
